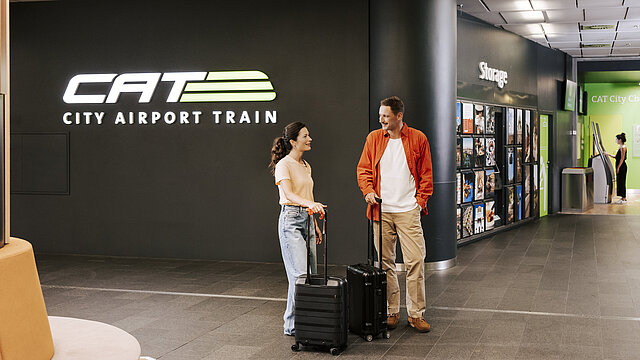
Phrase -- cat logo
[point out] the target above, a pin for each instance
(188, 87)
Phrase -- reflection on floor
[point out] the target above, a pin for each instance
(632, 207)
(564, 287)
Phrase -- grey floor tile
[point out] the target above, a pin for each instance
(579, 265)
(460, 335)
(503, 332)
(408, 351)
(450, 352)
(494, 352)
(539, 352)
(543, 330)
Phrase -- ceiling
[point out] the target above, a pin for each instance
(611, 77)
(587, 29)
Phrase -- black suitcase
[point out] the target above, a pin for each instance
(368, 293)
(321, 307)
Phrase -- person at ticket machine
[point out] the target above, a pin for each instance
(621, 168)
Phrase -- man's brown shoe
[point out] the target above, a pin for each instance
(419, 324)
(392, 321)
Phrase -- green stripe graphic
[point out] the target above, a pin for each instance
(221, 97)
(236, 75)
(229, 86)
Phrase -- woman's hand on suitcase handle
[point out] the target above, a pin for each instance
(316, 208)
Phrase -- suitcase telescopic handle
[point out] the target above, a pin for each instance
(324, 240)
(371, 236)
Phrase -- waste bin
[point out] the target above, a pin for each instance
(577, 189)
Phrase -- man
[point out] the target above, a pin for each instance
(395, 165)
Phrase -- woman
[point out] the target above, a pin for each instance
(295, 185)
(621, 168)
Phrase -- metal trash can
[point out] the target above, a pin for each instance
(577, 189)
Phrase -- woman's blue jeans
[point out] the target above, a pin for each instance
(292, 230)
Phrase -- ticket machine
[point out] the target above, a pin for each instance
(603, 173)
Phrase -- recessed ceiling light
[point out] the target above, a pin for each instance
(596, 27)
(627, 44)
(595, 45)
(636, 27)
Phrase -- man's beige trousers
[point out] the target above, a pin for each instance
(405, 226)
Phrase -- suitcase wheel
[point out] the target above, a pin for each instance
(369, 338)
(295, 347)
(334, 351)
(387, 334)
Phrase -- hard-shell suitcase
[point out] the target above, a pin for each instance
(321, 306)
(368, 293)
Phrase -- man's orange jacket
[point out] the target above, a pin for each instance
(416, 149)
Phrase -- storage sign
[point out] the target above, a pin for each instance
(491, 74)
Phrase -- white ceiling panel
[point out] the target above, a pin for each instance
(508, 5)
(564, 37)
(557, 23)
(524, 29)
(596, 51)
(598, 3)
(565, 15)
(598, 35)
(553, 4)
(471, 5)
(608, 13)
(490, 17)
(573, 52)
(523, 17)
(609, 43)
(560, 28)
(628, 35)
(626, 51)
(613, 23)
(538, 38)
(629, 25)
(628, 43)
(565, 45)
(633, 13)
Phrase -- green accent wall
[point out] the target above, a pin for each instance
(616, 107)
(544, 168)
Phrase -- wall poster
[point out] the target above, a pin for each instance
(467, 220)
(510, 127)
(479, 218)
(479, 119)
(467, 118)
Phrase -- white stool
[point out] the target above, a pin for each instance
(77, 339)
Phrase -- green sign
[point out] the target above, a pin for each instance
(544, 168)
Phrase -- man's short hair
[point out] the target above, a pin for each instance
(394, 102)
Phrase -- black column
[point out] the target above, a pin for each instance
(413, 55)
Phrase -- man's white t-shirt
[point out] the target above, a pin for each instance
(397, 185)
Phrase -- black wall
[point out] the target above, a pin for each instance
(479, 41)
(536, 80)
(204, 191)
(184, 191)
(552, 70)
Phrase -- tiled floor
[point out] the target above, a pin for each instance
(632, 207)
(565, 287)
